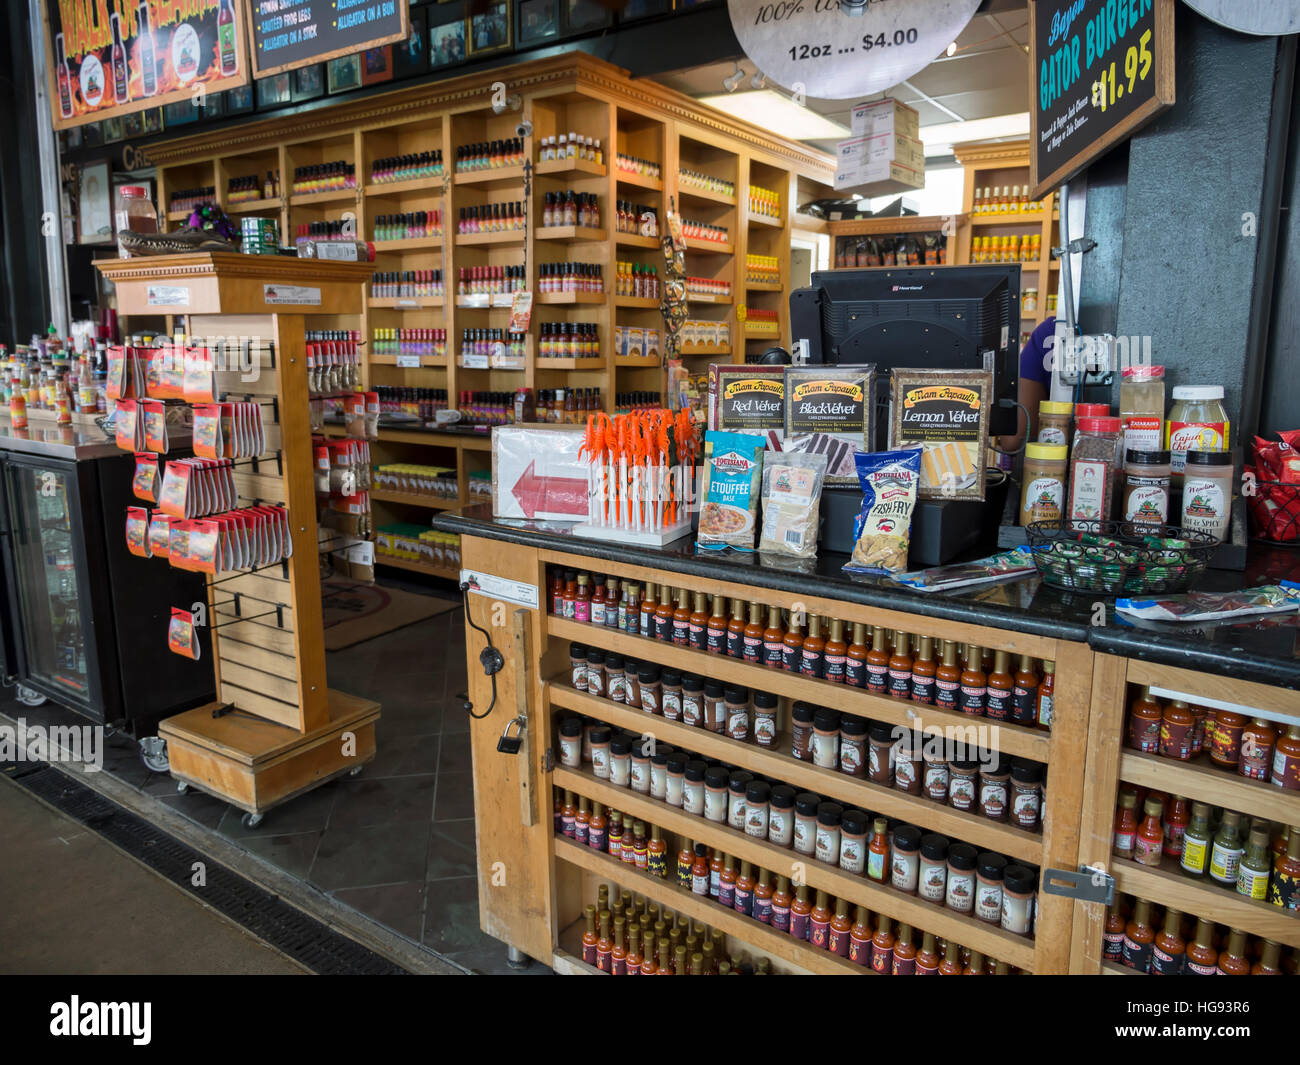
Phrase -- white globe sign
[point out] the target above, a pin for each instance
(834, 55)
(1264, 18)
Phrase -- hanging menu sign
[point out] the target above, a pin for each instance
(295, 33)
(1099, 69)
(112, 57)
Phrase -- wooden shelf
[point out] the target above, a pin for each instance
(636, 301)
(774, 335)
(408, 244)
(640, 181)
(571, 234)
(427, 362)
(633, 362)
(308, 199)
(1202, 780)
(1028, 218)
(713, 247)
(720, 301)
(253, 206)
(417, 567)
(763, 220)
(762, 286)
(1110, 968)
(501, 175)
(1166, 885)
(1010, 739)
(570, 166)
(424, 437)
(711, 353)
(568, 299)
(889, 226)
(635, 240)
(405, 303)
(510, 236)
(396, 188)
(923, 916)
(780, 764)
(506, 298)
(414, 499)
(592, 363)
(178, 216)
(702, 908)
(689, 192)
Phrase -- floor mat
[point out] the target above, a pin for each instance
(355, 612)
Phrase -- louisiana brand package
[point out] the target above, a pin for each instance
(826, 406)
(881, 531)
(792, 492)
(733, 478)
(946, 414)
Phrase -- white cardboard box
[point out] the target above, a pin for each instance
(885, 116)
(857, 169)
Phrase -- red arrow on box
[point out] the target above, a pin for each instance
(555, 495)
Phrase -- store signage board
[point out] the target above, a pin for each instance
(493, 587)
(286, 34)
(1099, 70)
(814, 48)
(104, 60)
(1264, 18)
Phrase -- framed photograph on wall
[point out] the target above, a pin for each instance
(447, 44)
(412, 57)
(583, 15)
(239, 101)
(490, 28)
(345, 73)
(133, 124)
(308, 82)
(635, 9)
(539, 20)
(377, 65)
(153, 120)
(95, 203)
(273, 91)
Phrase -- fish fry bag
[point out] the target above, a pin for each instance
(881, 531)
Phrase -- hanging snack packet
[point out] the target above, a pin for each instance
(160, 535)
(208, 437)
(127, 427)
(733, 479)
(180, 635)
(137, 531)
(881, 531)
(792, 492)
(155, 426)
(144, 484)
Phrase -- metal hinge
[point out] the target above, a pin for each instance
(1089, 884)
(548, 760)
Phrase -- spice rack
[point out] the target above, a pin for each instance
(277, 729)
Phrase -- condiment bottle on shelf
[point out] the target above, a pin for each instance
(598, 603)
(1047, 697)
(838, 935)
(716, 628)
(975, 966)
(736, 630)
(878, 663)
(1232, 959)
(618, 954)
(582, 600)
(1257, 740)
(647, 612)
(1175, 826)
(745, 890)
(792, 646)
(1125, 826)
(878, 852)
(1149, 841)
(581, 822)
(947, 678)
(682, 619)
(1256, 864)
(813, 661)
(923, 672)
(819, 922)
(1112, 935)
(927, 958)
(882, 946)
(700, 871)
(1138, 938)
(900, 666)
(557, 592)
(1024, 697)
(1286, 760)
(860, 938)
(1196, 842)
(1144, 720)
(773, 639)
(633, 962)
(663, 622)
(1225, 738)
(589, 937)
(904, 963)
(974, 684)
(763, 898)
(801, 914)
(699, 622)
(753, 645)
(1169, 951)
(569, 815)
(597, 838)
(604, 945)
(1201, 957)
(570, 595)
(1284, 889)
(727, 883)
(855, 658)
(1226, 852)
(1176, 729)
(1268, 960)
(836, 653)
(781, 903)
(951, 964)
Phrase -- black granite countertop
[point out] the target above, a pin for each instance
(1265, 650)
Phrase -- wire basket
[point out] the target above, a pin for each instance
(1275, 513)
(1118, 557)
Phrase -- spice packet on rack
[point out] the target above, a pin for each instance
(155, 426)
(1006, 565)
(180, 635)
(882, 529)
(208, 441)
(160, 535)
(144, 485)
(128, 428)
(137, 531)
(1277, 598)
(198, 382)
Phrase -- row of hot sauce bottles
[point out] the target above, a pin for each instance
(982, 684)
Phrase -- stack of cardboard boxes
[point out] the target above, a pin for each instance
(885, 154)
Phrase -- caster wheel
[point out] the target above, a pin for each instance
(153, 753)
(29, 696)
(181, 787)
(356, 771)
(251, 820)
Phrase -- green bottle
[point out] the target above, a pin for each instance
(1252, 873)
(1225, 856)
(1196, 842)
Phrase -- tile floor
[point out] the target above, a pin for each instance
(396, 843)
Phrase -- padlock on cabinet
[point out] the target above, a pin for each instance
(508, 744)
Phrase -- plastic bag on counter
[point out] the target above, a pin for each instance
(1214, 606)
(792, 492)
(1006, 565)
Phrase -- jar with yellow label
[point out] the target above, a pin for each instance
(1054, 422)
(1043, 494)
(1197, 422)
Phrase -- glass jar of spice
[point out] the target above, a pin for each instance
(640, 776)
(595, 671)
(620, 761)
(780, 818)
(801, 731)
(960, 894)
(1207, 492)
(757, 811)
(934, 784)
(765, 707)
(1018, 885)
(715, 707)
(1054, 422)
(1142, 407)
(737, 785)
(825, 747)
(649, 689)
(737, 703)
(659, 773)
(907, 764)
(1146, 487)
(693, 787)
(995, 783)
(805, 822)
(615, 686)
(571, 741)
(963, 792)
(578, 663)
(600, 742)
(932, 884)
(675, 781)
(880, 754)
(906, 863)
(1026, 794)
(826, 846)
(853, 841)
(853, 746)
(715, 794)
(989, 873)
(1094, 470)
(1042, 496)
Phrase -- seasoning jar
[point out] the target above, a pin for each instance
(600, 753)
(765, 707)
(1197, 422)
(1225, 738)
(659, 773)
(906, 864)
(934, 782)
(715, 794)
(670, 694)
(737, 784)
(1176, 731)
(880, 753)
(571, 740)
(715, 707)
(692, 696)
(631, 682)
(1042, 496)
(640, 777)
(1018, 884)
(615, 682)
(907, 764)
(1054, 422)
(853, 841)
(737, 705)
(825, 746)
(675, 781)
(853, 746)
(595, 671)
(757, 810)
(648, 683)
(620, 761)
(578, 664)
(780, 816)
(1142, 407)
(932, 875)
(960, 893)
(801, 731)
(1146, 487)
(693, 787)
(1094, 470)
(826, 847)
(990, 870)
(963, 794)
(1207, 492)
(805, 822)
(1026, 793)
(995, 784)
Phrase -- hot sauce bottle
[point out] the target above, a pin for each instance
(632, 964)
(781, 902)
(904, 963)
(716, 638)
(727, 883)
(1257, 740)
(792, 646)
(557, 592)
(878, 868)
(927, 958)
(1196, 842)
(801, 914)
(947, 678)
(999, 696)
(736, 630)
(1169, 951)
(598, 604)
(618, 955)
(570, 595)
(745, 890)
(1232, 960)
(753, 647)
(838, 935)
(855, 658)
(685, 861)
(882, 946)
(604, 945)
(569, 815)
(700, 871)
(813, 662)
(589, 937)
(1125, 826)
(836, 653)
(582, 599)
(1112, 936)
(581, 822)
(1024, 696)
(819, 922)
(648, 606)
(699, 624)
(663, 623)
(1138, 938)
(716, 865)
(763, 898)
(648, 966)
(1149, 842)
(1284, 889)
(1144, 719)
(1268, 960)
(1175, 826)
(682, 619)
(951, 964)
(656, 854)
(974, 684)
(975, 965)
(1201, 957)
(773, 639)
(596, 837)
(878, 663)
(860, 938)
(923, 672)
(1046, 697)
(900, 667)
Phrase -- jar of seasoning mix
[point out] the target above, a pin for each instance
(1146, 487)
(1026, 793)
(715, 794)
(1207, 492)
(932, 874)
(907, 764)
(631, 682)
(934, 783)
(757, 809)
(571, 741)
(853, 746)
(826, 846)
(692, 697)
(578, 663)
(1142, 407)
(1042, 495)
(801, 731)
(693, 787)
(715, 707)
(1018, 888)
(1054, 422)
(620, 761)
(737, 785)
(659, 773)
(675, 781)
(600, 751)
(670, 694)
(649, 688)
(989, 874)
(595, 671)
(906, 864)
(805, 822)
(880, 754)
(825, 746)
(995, 784)
(765, 707)
(1094, 470)
(737, 705)
(853, 841)
(963, 791)
(780, 818)
(1197, 422)
(960, 893)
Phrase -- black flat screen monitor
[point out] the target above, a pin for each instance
(917, 317)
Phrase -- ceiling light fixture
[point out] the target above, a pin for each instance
(951, 50)
(758, 81)
(732, 83)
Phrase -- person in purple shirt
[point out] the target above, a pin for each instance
(1035, 381)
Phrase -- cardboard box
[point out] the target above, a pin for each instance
(635, 342)
(946, 414)
(885, 116)
(855, 169)
(746, 397)
(653, 344)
